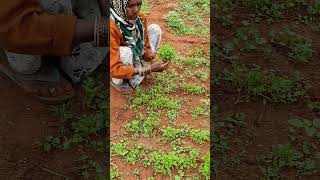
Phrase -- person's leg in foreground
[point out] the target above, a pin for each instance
(85, 57)
(48, 85)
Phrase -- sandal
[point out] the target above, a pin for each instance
(124, 88)
(49, 89)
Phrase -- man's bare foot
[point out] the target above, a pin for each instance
(124, 88)
(47, 92)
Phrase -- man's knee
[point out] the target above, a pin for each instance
(155, 34)
(126, 55)
(154, 28)
(57, 6)
(24, 64)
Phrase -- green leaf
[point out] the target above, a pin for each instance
(316, 123)
(167, 52)
(307, 123)
(311, 131)
(296, 123)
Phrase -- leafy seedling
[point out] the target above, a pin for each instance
(167, 52)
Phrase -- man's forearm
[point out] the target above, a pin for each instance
(31, 32)
(84, 31)
(94, 30)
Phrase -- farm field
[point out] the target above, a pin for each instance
(265, 89)
(162, 131)
(39, 141)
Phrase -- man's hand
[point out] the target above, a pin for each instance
(151, 57)
(159, 67)
(154, 67)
